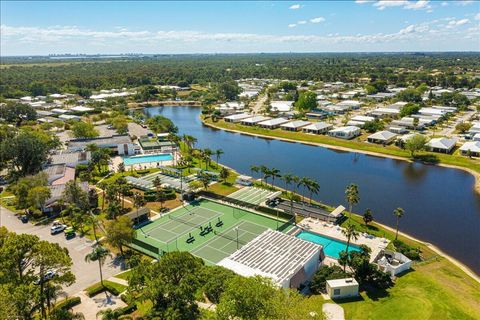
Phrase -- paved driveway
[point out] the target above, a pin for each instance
(86, 273)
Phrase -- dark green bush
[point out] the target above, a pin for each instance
(68, 303)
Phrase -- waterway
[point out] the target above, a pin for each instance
(440, 204)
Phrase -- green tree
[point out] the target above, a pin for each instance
(373, 126)
(224, 174)
(399, 212)
(17, 113)
(350, 232)
(218, 154)
(138, 201)
(160, 124)
(248, 298)
(228, 90)
(81, 129)
(99, 254)
(306, 101)
(120, 232)
(410, 95)
(463, 127)
(161, 197)
(37, 197)
(409, 108)
(205, 180)
(352, 196)
(415, 143)
(287, 179)
(367, 217)
(74, 194)
(318, 283)
(213, 280)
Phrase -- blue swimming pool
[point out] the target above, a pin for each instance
(331, 247)
(128, 161)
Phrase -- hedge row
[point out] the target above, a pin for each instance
(68, 303)
(98, 288)
(151, 196)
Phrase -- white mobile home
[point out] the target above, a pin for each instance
(295, 125)
(441, 145)
(317, 128)
(272, 123)
(471, 148)
(348, 132)
(237, 117)
(254, 120)
(382, 137)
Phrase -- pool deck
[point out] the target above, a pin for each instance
(333, 231)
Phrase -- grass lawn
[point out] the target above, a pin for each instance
(456, 160)
(435, 290)
(124, 275)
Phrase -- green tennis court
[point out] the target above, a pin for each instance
(252, 195)
(224, 223)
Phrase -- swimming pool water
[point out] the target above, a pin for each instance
(128, 161)
(331, 247)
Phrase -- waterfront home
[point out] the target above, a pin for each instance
(342, 288)
(244, 180)
(288, 261)
(254, 120)
(230, 107)
(295, 125)
(281, 106)
(237, 117)
(441, 145)
(382, 137)
(471, 148)
(403, 139)
(272, 123)
(392, 262)
(317, 127)
(348, 132)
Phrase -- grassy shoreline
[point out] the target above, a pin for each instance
(471, 166)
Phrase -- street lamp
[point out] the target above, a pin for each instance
(236, 229)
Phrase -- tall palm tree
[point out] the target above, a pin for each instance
(313, 187)
(207, 155)
(99, 254)
(253, 169)
(287, 178)
(399, 214)
(351, 233)
(274, 173)
(138, 201)
(218, 154)
(296, 181)
(303, 183)
(352, 196)
(293, 197)
(265, 173)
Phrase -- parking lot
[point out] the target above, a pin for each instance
(86, 273)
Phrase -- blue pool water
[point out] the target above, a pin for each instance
(331, 247)
(128, 161)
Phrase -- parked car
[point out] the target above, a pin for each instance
(24, 218)
(48, 275)
(144, 126)
(69, 233)
(57, 228)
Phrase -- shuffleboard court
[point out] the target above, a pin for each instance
(252, 195)
(206, 228)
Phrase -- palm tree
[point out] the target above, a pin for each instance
(99, 254)
(351, 233)
(189, 142)
(121, 167)
(138, 201)
(313, 187)
(352, 196)
(253, 169)
(287, 178)
(293, 197)
(296, 181)
(206, 155)
(218, 154)
(161, 197)
(265, 173)
(303, 182)
(157, 183)
(274, 173)
(398, 213)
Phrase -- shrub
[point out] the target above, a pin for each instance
(68, 303)
(111, 287)
(319, 280)
(409, 252)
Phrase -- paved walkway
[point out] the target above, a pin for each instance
(102, 301)
(118, 280)
(333, 311)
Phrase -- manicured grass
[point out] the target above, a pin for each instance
(436, 290)
(456, 160)
(112, 287)
(124, 275)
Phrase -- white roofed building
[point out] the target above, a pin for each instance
(382, 137)
(342, 288)
(254, 120)
(470, 148)
(296, 125)
(441, 145)
(281, 106)
(317, 127)
(285, 259)
(348, 132)
(237, 117)
(272, 123)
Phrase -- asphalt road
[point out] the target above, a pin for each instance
(86, 273)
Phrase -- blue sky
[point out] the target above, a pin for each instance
(29, 28)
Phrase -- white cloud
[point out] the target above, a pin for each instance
(317, 20)
(464, 2)
(405, 4)
(363, 1)
(477, 16)
(294, 7)
(302, 22)
(292, 25)
(440, 33)
(444, 4)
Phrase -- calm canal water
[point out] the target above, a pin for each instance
(440, 204)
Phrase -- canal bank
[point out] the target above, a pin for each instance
(341, 148)
(440, 205)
